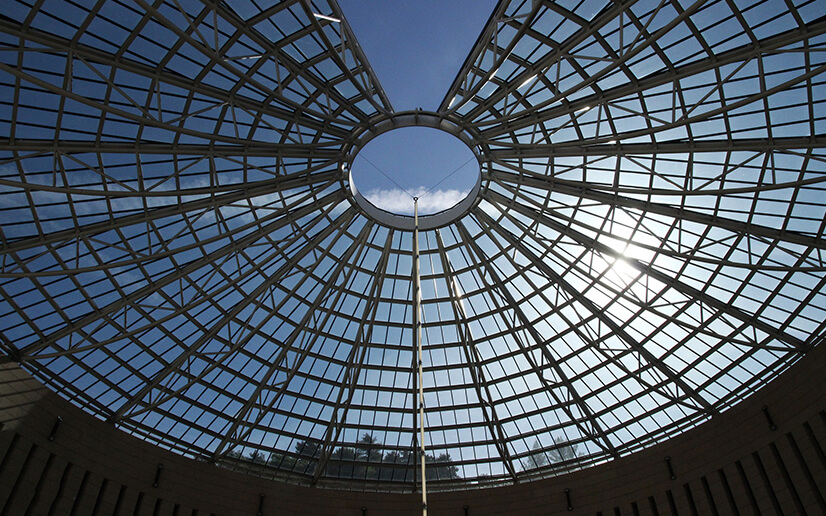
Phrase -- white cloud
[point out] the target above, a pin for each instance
(398, 201)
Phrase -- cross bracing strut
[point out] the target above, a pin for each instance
(210, 333)
(334, 284)
(474, 365)
(184, 271)
(546, 110)
(581, 298)
(603, 440)
(606, 196)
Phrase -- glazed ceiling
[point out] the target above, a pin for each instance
(182, 257)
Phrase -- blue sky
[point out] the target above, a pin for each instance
(416, 48)
(429, 164)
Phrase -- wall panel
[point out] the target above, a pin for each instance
(734, 464)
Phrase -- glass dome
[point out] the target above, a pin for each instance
(182, 255)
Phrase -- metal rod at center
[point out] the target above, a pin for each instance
(417, 332)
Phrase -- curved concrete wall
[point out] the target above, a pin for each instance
(734, 464)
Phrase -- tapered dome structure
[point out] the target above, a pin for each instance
(183, 255)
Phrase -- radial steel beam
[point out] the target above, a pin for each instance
(596, 430)
(184, 271)
(352, 370)
(731, 106)
(208, 334)
(647, 269)
(504, 150)
(607, 195)
(74, 49)
(242, 28)
(182, 308)
(302, 327)
(582, 299)
(488, 40)
(479, 48)
(242, 192)
(557, 55)
(108, 109)
(474, 363)
(548, 60)
(320, 151)
(547, 110)
(348, 37)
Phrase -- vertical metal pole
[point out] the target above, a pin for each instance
(417, 332)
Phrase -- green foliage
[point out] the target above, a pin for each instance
(309, 452)
(366, 460)
(369, 448)
(561, 452)
(441, 467)
(256, 457)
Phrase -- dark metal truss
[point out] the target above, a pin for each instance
(180, 255)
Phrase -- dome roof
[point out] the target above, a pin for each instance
(183, 257)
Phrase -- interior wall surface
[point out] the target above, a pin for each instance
(764, 456)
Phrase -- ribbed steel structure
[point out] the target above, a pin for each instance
(182, 255)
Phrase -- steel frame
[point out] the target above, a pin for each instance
(181, 254)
